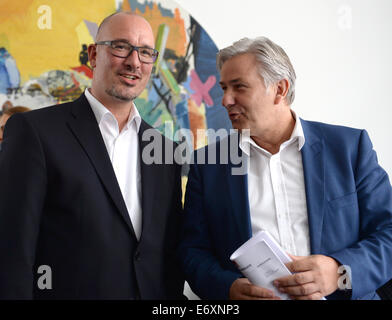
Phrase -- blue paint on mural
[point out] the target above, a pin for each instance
(205, 52)
(9, 73)
(134, 4)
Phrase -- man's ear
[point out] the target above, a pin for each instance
(282, 88)
(92, 55)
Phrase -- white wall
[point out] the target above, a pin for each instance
(341, 51)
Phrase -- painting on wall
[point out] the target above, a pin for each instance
(43, 60)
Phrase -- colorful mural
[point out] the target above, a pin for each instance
(43, 60)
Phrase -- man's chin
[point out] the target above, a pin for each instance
(238, 125)
(121, 96)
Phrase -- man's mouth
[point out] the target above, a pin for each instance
(234, 115)
(132, 77)
(129, 78)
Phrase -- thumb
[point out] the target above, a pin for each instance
(294, 265)
(295, 258)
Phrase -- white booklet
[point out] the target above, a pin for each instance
(262, 260)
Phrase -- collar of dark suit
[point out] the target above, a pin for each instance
(81, 109)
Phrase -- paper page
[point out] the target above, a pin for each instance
(262, 235)
(262, 266)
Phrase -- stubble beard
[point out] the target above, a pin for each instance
(118, 94)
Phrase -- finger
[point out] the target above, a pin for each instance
(295, 279)
(301, 290)
(242, 288)
(294, 258)
(301, 265)
(259, 292)
(256, 294)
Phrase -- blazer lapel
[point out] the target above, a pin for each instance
(150, 180)
(84, 126)
(238, 188)
(313, 164)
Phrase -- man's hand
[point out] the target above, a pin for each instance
(314, 277)
(242, 289)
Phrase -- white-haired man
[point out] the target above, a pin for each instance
(316, 188)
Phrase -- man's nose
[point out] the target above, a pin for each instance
(228, 99)
(133, 59)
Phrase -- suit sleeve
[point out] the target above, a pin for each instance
(370, 258)
(201, 267)
(22, 193)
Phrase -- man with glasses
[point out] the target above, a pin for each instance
(91, 219)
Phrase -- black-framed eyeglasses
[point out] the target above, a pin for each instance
(123, 49)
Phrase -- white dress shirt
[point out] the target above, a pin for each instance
(123, 150)
(276, 188)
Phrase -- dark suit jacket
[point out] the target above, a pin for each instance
(61, 206)
(349, 204)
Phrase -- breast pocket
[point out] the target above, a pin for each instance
(344, 201)
(341, 222)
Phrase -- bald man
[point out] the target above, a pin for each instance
(90, 219)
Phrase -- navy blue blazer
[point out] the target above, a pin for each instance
(349, 202)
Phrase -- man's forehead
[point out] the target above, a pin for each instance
(122, 25)
(238, 67)
(234, 74)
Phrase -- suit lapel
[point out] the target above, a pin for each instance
(313, 164)
(84, 126)
(150, 179)
(238, 188)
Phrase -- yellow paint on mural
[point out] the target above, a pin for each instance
(8, 8)
(144, 94)
(83, 34)
(177, 34)
(38, 50)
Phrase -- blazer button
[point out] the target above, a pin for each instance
(137, 256)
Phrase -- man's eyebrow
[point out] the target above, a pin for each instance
(142, 46)
(122, 40)
(233, 81)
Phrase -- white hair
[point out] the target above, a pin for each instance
(274, 64)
